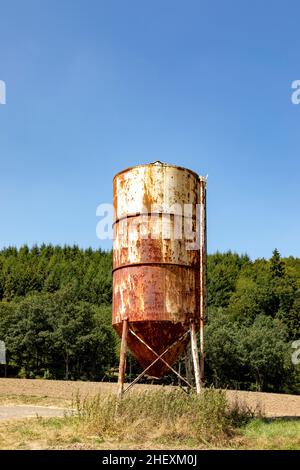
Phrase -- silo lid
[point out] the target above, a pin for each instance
(157, 163)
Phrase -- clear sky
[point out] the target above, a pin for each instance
(95, 86)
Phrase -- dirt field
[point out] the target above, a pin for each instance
(60, 393)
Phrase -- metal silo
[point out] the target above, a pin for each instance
(159, 265)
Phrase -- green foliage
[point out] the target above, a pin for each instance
(248, 342)
(55, 312)
(223, 272)
(63, 337)
(251, 356)
(49, 269)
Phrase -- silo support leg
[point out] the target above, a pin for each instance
(122, 365)
(202, 363)
(195, 358)
(188, 364)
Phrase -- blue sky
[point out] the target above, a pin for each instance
(96, 86)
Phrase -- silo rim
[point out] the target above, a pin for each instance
(162, 164)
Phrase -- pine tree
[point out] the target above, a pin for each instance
(277, 266)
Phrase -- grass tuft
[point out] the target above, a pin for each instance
(162, 416)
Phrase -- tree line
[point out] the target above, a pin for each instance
(55, 317)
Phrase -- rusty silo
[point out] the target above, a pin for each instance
(159, 265)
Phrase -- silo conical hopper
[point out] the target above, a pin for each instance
(156, 271)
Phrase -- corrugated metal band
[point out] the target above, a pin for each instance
(177, 265)
(138, 214)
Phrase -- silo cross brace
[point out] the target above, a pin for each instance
(159, 357)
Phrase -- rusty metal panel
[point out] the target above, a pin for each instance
(156, 279)
(132, 246)
(155, 293)
(140, 188)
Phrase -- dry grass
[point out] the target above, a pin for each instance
(156, 419)
(34, 400)
(163, 417)
(159, 419)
